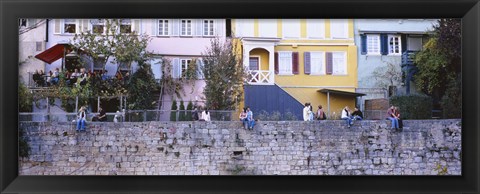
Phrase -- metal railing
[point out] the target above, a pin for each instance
(408, 57)
(127, 116)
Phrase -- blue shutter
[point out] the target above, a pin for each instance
(384, 44)
(306, 62)
(363, 43)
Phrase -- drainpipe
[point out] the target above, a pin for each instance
(46, 30)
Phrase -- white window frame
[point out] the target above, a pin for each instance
(322, 60)
(104, 25)
(165, 27)
(288, 25)
(312, 24)
(334, 64)
(373, 43)
(285, 63)
(186, 27)
(186, 62)
(64, 22)
(344, 24)
(208, 30)
(120, 24)
(391, 45)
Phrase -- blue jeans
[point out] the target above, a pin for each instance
(357, 118)
(81, 124)
(244, 122)
(251, 123)
(394, 122)
(348, 120)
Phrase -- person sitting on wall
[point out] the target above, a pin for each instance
(357, 114)
(243, 118)
(320, 113)
(397, 115)
(392, 117)
(347, 117)
(101, 116)
(206, 115)
(251, 121)
(81, 119)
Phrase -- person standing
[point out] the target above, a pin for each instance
(320, 113)
(357, 114)
(391, 116)
(195, 114)
(251, 121)
(81, 119)
(243, 118)
(310, 112)
(347, 116)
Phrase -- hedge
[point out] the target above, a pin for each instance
(413, 106)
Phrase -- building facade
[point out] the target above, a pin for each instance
(294, 61)
(31, 41)
(388, 42)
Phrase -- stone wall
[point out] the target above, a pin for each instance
(423, 147)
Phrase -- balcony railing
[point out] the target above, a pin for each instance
(259, 77)
(408, 57)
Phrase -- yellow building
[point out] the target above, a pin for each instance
(294, 61)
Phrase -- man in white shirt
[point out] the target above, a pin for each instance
(306, 116)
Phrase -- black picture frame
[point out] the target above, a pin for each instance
(10, 182)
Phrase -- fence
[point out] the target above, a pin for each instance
(127, 116)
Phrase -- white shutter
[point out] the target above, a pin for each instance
(198, 25)
(78, 26)
(200, 68)
(219, 27)
(176, 68)
(57, 28)
(154, 26)
(136, 26)
(338, 28)
(175, 27)
(316, 28)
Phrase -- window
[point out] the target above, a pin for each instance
(394, 44)
(291, 28)
(208, 28)
(69, 26)
(186, 27)
(373, 44)
(244, 28)
(316, 28)
(414, 43)
(317, 63)
(38, 46)
(125, 26)
(339, 29)
(98, 26)
(163, 27)
(253, 63)
(267, 27)
(339, 60)
(22, 23)
(285, 62)
(184, 65)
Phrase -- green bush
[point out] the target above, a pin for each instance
(25, 99)
(189, 111)
(413, 106)
(173, 113)
(181, 115)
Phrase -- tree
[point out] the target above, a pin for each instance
(189, 111)
(124, 47)
(224, 75)
(173, 113)
(439, 66)
(181, 116)
(141, 87)
(25, 99)
(389, 77)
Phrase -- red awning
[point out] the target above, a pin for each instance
(54, 53)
